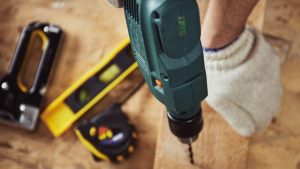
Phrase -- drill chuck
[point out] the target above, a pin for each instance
(186, 130)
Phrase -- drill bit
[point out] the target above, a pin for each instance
(191, 153)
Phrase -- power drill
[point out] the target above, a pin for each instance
(165, 38)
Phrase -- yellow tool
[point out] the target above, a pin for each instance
(89, 89)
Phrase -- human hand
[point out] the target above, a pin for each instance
(244, 83)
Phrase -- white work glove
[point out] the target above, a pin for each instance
(244, 83)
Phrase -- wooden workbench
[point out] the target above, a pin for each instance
(277, 147)
(92, 29)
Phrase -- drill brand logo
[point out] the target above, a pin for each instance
(181, 26)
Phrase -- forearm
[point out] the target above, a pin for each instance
(225, 21)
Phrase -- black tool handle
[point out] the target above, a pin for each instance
(20, 52)
(54, 34)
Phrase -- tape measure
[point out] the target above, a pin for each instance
(109, 136)
(89, 89)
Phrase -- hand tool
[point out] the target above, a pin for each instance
(109, 135)
(20, 104)
(165, 38)
(89, 89)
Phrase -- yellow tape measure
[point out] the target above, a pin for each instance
(89, 89)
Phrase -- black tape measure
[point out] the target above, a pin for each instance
(109, 136)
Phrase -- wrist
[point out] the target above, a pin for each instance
(232, 55)
(217, 39)
(225, 21)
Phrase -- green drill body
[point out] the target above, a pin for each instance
(165, 38)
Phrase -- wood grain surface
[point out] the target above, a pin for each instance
(278, 147)
(92, 29)
(218, 145)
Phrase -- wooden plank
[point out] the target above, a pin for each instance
(282, 27)
(218, 145)
(257, 17)
(278, 147)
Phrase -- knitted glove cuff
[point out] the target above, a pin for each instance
(231, 56)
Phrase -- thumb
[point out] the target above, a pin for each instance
(116, 3)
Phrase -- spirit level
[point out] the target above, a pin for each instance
(89, 89)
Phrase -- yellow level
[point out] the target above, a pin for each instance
(89, 89)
